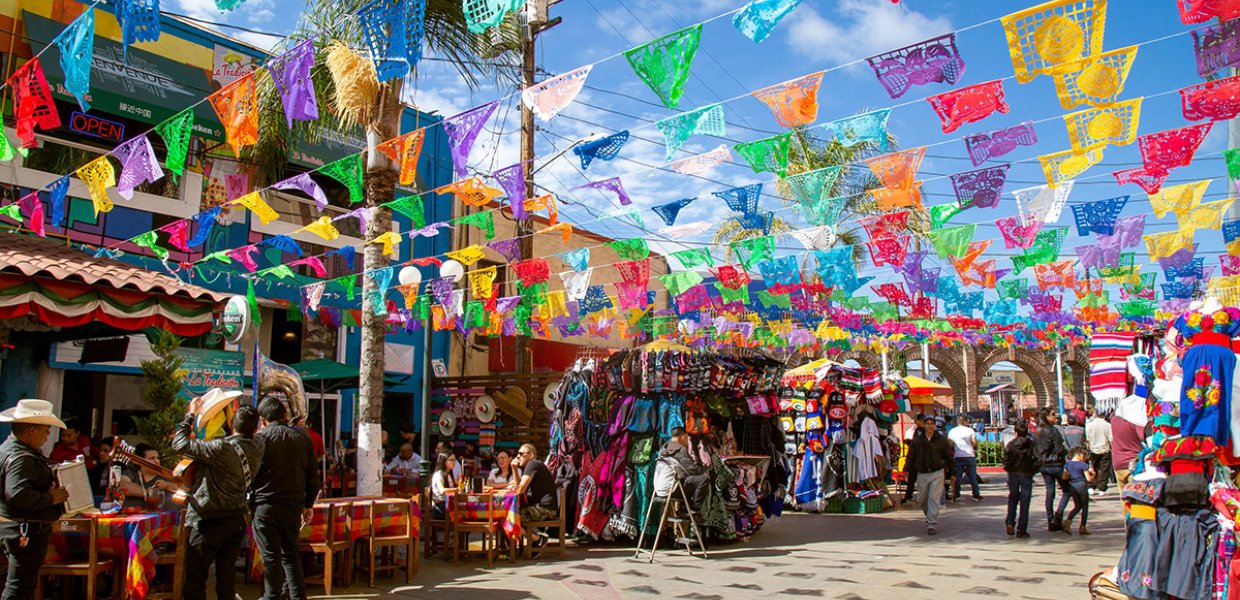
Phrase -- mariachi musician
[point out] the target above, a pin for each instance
(30, 498)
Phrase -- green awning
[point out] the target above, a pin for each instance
(324, 375)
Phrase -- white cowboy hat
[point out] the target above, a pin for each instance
(212, 402)
(37, 412)
(484, 408)
(447, 423)
(551, 394)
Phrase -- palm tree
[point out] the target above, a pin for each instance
(337, 32)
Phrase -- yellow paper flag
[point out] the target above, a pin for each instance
(1178, 199)
(1162, 245)
(1050, 36)
(323, 228)
(481, 282)
(1061, 166)
(390, 240)
(258, 206)
(1204, 216)
(467, 256)
(1115, 125)
(1095, 80)
(98, 175)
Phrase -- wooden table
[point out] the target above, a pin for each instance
(130, 540)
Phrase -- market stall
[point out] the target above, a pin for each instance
(613, 415)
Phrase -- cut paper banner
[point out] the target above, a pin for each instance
(323, 228)
(138, 165)
(811, 186)
(1062, 166)
(932, 61)
(1163, 245)
(98, 176)
(1098, 217)
(669, 211)
(1178, 199)
(544, 202)
(576, 284)
(405, 150)
(393, 31)
(509, 248)
(412, 207)
(756, 221)
(694, 258)
(793, 102)
(1167, 150)
(981, 188)
(1056, 275)
(348, 171)
(702, 163)
(33, 98)
(1150, 180)
(1208, 215)
(236, 105)
(1096, 80)
(1043, 203)
(888, 225)
(481, 15)
(77, 47)
(468, 255)
(1114, 125)
(258, 206)
(176, 133)
(677, 129)
(757, 19)
(462, 130)
(897, 169)
(1128, 231)
(768, 155)
(868, 127)
(1216, 100)
(291, 73)
(742, 199)
(604, 148)
(139, 22)
(888, 250)
(664, 64)
(815, 238)
(512, 180)
(1046, 38)
(472, 191)
(550, 97)
(481, 281)
(969, 105)
(32, 211)
(953, 241)
(1200, 11)
(983, 146)
(1017, 234)
(613, 186)
(304, 184)
(1217, 47)
(482, 220)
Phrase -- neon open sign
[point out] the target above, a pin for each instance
(97, 126)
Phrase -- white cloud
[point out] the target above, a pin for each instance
(859, 29)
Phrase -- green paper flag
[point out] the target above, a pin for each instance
(12, 211)
(884, 311)
(664, 63)
(953, 241)
(533, 294)
(632, 249)
(851, 302)
(812, 186)
(176, 133)
(939, 215)
(823, 211)
(1147, 282)
(1012, 289)
(476, 315)
(252, 299)
(1044, 249)
(221, 256)
(1127, 262)
(422, 308)
(740, 294)
(767, 155)
(348, 282)
(1137, 307)
(6, 148)
(677, 283)
(280, 271)
(754, 250)
(150, 240)
(1095, 300)
(1233, 162)
(410, 206)
(770, 300)
(482, 220)
(348, 171)
(694, 257)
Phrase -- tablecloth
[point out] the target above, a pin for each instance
(506, 507)
(130, 539)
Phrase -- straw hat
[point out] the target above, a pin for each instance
(551, 394)
(447, 423)
(37, 412)
(484, 408)
(212, 402)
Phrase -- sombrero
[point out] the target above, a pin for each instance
(37, 412)
(447, 423)
(484, 408)
(212, 403)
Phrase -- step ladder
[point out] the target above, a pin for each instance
(680, 519)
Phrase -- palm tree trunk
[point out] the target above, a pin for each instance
(380, 183)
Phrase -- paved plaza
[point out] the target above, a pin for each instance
(873, 557)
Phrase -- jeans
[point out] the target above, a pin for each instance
(276, 530)
(1102, 466)
(24, 562)
(966, 465)
(1020, 492)
(930, 495)
(1052, 478)
(1080, 501)
(213, 541)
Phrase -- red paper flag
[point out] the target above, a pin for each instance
(969, 105)
(1217, 100)
(889, 251)
(34, 103)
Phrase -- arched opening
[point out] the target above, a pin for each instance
(944, 367)
(1027, 370)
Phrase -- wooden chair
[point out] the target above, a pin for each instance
(431, 525)
(89, 566)
(335, 538)
(174, 558)
(559, 524)
(489, 527)
(387, 539)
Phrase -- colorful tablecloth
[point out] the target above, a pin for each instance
(504, 506)
(130, 539)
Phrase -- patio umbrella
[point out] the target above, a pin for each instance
(922, 391)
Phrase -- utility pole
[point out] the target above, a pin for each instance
(535, 22)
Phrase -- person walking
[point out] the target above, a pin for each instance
(964, 438)
(1098, 441)
(1080, 475)
(930, 456)
(215, 511)
(31, 500)
(1020, 463)
(910, 475)
(284, 491)
(1051, 453)
(1073, 433)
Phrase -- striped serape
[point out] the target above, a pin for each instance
(1108, 374)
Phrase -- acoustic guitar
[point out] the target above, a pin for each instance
(182, 475)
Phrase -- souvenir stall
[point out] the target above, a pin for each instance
(839, 426)
(1181, 504)
(612, 415)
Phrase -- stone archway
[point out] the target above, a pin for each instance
(1032, 362)
(864, 358)
(1077, 361)
(948, 364)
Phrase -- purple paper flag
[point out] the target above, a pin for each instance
(442, 288)
(361, 214)
(1179, 258)
(510, 248)
(612, 185)
(305, 185)
(138, 165)
(1097, 256)
(462, 130)
(1217, 47)
(981, 188)
(512, 180)
(997, 143)
(291, 73)
(1128, 232)
(429, 231)
(935, 60)
(923, 281)
(505, 304)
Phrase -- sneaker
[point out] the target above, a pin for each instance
(1011, 529)
(977, 498)
(931, 531)
(1022, 535)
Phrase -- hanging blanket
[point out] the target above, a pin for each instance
(1108, 374)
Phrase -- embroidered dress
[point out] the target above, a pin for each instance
(1209, 365)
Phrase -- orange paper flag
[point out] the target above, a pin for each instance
(795, 102)
(237, 107)
(405, 151)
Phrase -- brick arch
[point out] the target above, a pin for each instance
(948, 364)
(864, 358)
(1034, 363)
(1079, 366)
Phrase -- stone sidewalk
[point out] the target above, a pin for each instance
(875, 557)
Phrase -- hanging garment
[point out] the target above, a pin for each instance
(1208, 365)
(867, 450)
(1135, 570)
(1186, 554)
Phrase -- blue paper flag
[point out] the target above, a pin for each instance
(742, 199)
(284, 243)
(868, 127)
(596, 300)
(58, 190)
(669, 211)
(205, 221)
(77, 45)
(345, 252)
(754, 220)
(780, 271)
(383, 27)
(604, 148)
(757, 19)
(139, 21)
(578, 259)
(1098, 217)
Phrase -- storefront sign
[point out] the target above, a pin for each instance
(96, 126)
(230, 65)
(206, 369)
(236, 319)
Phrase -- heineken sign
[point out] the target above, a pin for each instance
(236, 320)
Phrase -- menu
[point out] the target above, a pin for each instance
(73, 477)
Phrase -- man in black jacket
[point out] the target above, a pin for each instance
(1049, 448)
(216, 509)
(31, 500)
(284, 491)
(1020, 463)
(929, 457)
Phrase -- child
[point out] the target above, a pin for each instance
(1080, 475)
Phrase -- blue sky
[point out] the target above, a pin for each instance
(818, 35)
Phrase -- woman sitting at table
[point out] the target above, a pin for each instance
(145, 489)
(441, 481)
(502, 474)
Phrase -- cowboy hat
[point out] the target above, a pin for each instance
(447, 423)
(37, 412)
(212, 402)
(484, 408)
(551, 394)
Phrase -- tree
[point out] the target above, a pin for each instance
(164, 378)
(351, 99)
